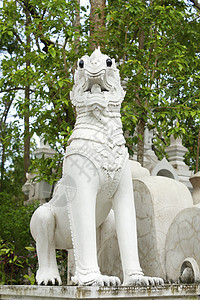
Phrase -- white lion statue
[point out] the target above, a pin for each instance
(96, 178)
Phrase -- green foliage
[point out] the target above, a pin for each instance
(30, 278)
(17, 269)
(12, 175)
(62, 261)
(12, 266)
(158, 44)
(15, 261)
(15, 220)
(47, 169)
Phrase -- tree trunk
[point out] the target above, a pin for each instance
(27, 101)
(76, 25)
(197, 156)
(77, 18)
(140, 146)
(141, 122)
(2, 166)
(3, 135)
(97, 22)
(26, 133)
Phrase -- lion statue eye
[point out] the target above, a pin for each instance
(81, 64)
(108, 62)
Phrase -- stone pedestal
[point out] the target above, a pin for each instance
(169, 292)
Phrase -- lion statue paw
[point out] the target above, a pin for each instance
(141, 280)
(95, 279)
(48, 278)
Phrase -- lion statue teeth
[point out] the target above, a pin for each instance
(96, 178)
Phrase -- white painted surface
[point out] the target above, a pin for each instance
(183, 242)
(158, 200)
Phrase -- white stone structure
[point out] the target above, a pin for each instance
(182, 246)
(183, 240)
(195, 181)
(33, 189)
(96, 178)
(158, 201)
(36, 190)
(164, 168)
(44, 150)
(176, 153)
(168, 219)
(175, 168)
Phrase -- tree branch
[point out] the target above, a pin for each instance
(16, 89)
(34, 14)
(64, 58)
(17, 36)
(196, 3)
(20, 3)
(5, 113)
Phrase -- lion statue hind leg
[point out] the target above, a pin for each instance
(43, 231)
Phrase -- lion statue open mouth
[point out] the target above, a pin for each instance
(96, 178)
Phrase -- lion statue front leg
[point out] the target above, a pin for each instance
(84, 216)
(125, 220)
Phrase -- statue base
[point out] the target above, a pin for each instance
(27, 292)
